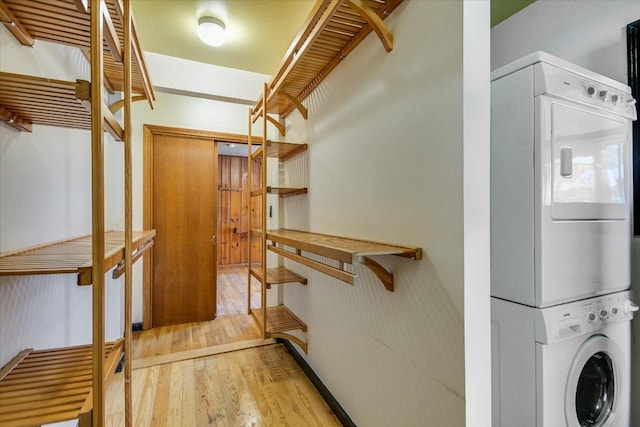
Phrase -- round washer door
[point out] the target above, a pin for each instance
(594, 384)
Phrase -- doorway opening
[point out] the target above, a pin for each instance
(234, 208)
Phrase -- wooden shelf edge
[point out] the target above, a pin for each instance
(278, 276)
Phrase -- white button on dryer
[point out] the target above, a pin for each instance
(614, 310)
(603, 94)
(603, 313)
(614, 99)
(591, 91)
(591, 317)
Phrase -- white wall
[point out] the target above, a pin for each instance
(45, 195)
(591, 34)
(385, 163)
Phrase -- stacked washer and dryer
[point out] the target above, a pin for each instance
(560, 245)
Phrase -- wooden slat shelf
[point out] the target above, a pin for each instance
(332, 30)
(276, 276)
(72, 256)
(35, 100)
(341, 249)
(50, 386)
(281, 150)
(279, 319)
(63, 22)
(282, 191)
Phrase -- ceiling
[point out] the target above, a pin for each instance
(260, 31)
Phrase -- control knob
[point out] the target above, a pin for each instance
(591, 91)
(591, 317)
(614, 99)
(614, 310)
(629, 307)
(603, 313)
(602, 94)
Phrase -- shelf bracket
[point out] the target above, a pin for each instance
(111, 37)
(120, 103)
(289, 337)
(385, 276)
(383, 32)
(15, 26)
(15, 121)
(294, 101)
(82, 5)
(276, 123)
(83, 94)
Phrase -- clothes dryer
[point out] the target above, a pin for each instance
(562, 366)
(560, 182)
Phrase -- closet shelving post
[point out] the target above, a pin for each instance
(48, 386)
(275, 321)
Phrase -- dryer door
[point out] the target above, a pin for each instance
(594, 384)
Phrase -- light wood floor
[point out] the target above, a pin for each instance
(259, 386)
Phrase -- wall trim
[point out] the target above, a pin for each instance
(334, 405)
(633, 71)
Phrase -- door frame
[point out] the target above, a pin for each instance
(149, 132)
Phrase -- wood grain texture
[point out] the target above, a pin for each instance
(70, 256)
(233, 210)
(232, 291)
(261, 386)
(332, 30)
(184, 215)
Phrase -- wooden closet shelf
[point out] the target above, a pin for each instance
(283, 192)
(72, 256)
(65, 22)
(276, 276)
(50, 386)
(281, 150)
(341, 249)
(333, 29)
(279, 319)
(35, 100)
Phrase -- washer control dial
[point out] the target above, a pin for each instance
(629, 307)
(592, 317)
(603, 313)
(591, 90)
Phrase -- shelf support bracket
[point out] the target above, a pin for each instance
(111, 37)
(383, 32)
(15, 26)
(289, 337)
(276, 123)
(83, 93)
(15, 121)
(385, 277)
(120, 103)
(294, 101)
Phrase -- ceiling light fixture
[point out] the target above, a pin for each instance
(211, 31)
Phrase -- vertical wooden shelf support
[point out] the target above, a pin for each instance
(97, 207)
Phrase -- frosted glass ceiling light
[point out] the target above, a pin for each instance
(211, 31)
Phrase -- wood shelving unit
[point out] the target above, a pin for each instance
(277, 276)
(333, 29)
(50, 386)
(105, 33)
(341, 249)
(73, 256)
(277, 321)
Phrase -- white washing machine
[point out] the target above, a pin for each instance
(560, 182)
(562, 366)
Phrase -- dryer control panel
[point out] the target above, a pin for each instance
(587, 316)
(555, 81)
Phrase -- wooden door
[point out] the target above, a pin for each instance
(184, 216)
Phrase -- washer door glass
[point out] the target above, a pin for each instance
(595, 392)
